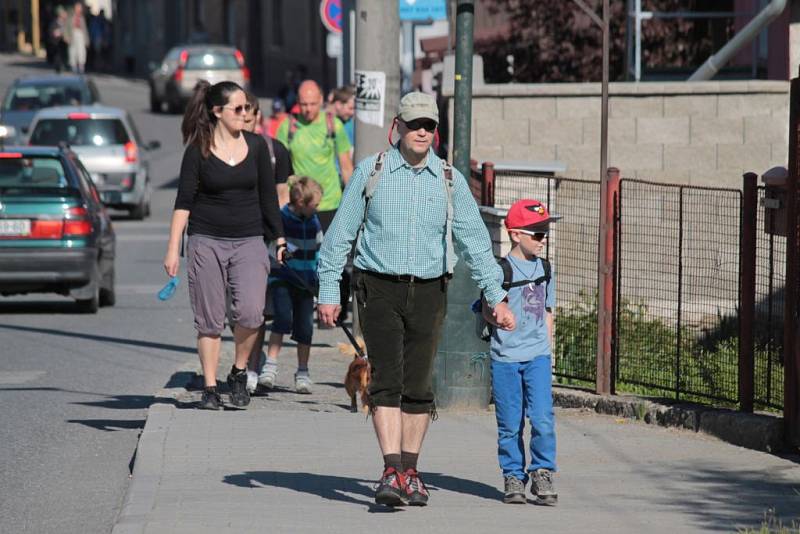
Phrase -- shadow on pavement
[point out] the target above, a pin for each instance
(328, 487)
(722, 498)
(93, 337)
(111, 425)
(40, 307)
(337, 488)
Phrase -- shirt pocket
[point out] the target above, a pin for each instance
(433, 208)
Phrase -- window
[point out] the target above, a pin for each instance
(31, 173)
(80, 132)
(33, 97)
(211, 61)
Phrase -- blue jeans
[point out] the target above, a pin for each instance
(522, 388)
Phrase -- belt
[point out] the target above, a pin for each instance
(404, 278)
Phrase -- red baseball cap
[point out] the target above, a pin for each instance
(529, 214)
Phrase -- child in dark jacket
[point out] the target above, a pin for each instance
(293, 285)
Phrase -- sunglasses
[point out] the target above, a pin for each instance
(416, 124)
(538, 236)
(239, 109)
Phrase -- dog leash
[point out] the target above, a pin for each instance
(308, 288)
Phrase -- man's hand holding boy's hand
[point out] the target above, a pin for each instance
(504, 317)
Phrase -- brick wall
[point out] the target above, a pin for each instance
(696, 133)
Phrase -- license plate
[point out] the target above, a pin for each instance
(111, 197)
(11, 227)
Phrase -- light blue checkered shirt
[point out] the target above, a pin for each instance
(405, 229)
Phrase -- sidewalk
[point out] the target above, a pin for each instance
(304, 463)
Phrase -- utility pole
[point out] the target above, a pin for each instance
(377, 80)
(461, 376)
(377, 56)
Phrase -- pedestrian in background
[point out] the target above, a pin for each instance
(77, 38)
(317, 141)
(277, 117)
(293, 285)
(226, 194)
(56, 37)
(521, 359)
(416, 209)
(343, 102)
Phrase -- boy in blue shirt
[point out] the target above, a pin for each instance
(291, 284)
(521, 358)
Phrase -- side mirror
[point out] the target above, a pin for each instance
(153, 145)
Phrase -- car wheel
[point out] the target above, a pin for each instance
(90, 305)
(108, 294)
(155, 103)
(139, 211)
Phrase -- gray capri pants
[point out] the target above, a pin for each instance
(214, 265)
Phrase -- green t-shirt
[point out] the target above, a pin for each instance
(314, 155)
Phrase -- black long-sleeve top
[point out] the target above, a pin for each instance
(230, 201)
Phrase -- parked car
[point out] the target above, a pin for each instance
(28, 95)
(173, 80)
(55, 234)
(109, 146)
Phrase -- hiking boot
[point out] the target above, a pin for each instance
(416, 492)
(268, 376)
(302, 383)
(252, 381)
(514, 491)
(238, 383)
(210, 400)
(391, 488)
(542, 487)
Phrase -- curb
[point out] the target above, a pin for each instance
(141, 494)
(760, 432)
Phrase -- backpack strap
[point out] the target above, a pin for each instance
(369, 190)
(449, 184)
(508, 276)
(292, 128)
(271, 148)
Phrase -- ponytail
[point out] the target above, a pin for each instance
(199, 119)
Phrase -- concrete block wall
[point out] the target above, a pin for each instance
(693, 133)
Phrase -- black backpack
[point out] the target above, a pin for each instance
(483, 329)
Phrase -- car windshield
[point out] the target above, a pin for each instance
(22, 174)
(33, 97)
(79, 132)
(211, 61)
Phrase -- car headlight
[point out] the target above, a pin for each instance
(7, 132)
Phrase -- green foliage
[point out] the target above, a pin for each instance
(771, 524)
(654, 357)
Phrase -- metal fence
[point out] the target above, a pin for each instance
(770, 292)
(677, 270)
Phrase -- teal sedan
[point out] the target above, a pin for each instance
(55, 234)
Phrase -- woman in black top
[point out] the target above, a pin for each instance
(226, 194)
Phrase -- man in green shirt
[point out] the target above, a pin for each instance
(316, 141)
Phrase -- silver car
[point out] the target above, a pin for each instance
(110, 148)
(173, 80)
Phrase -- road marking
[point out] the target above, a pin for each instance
(13, 378)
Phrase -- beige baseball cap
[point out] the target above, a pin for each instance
(418, 105)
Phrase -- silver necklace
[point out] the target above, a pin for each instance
(231, 161)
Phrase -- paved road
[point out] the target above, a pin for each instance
(75, 388)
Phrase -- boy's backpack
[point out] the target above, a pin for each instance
(372, 185)
(482, 328)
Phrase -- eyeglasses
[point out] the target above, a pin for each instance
(416, 124)
(538, 236)
(239, 109)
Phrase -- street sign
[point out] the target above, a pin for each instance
(333, 45)
(423, 9)
(330, 11)
(370, 96)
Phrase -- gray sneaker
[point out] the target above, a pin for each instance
(302, 383)
(542, 487)
(514, 491)
(268, 376)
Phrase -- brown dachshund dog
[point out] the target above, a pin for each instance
(356, 381)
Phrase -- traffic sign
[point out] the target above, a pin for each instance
(330, 11)
(423, 9)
